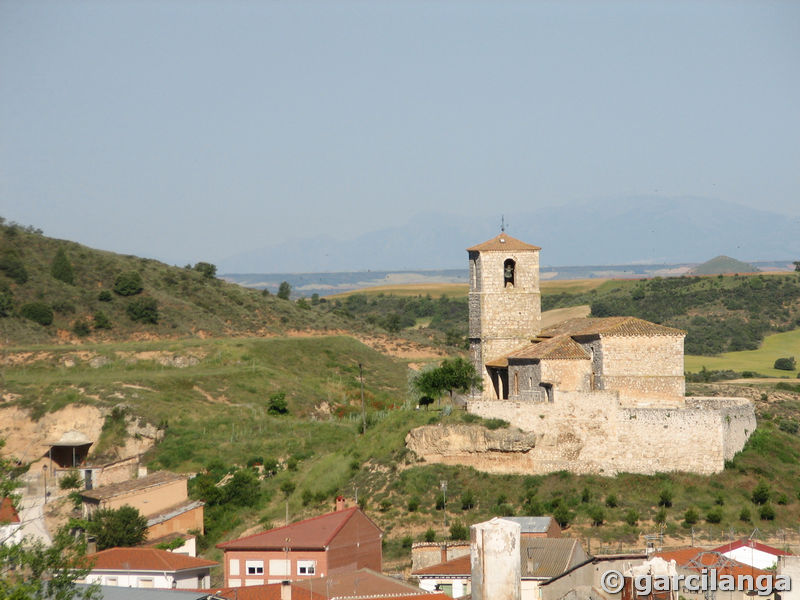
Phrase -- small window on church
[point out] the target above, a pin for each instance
(508, 273)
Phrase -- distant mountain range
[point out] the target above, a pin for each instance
(637, 230)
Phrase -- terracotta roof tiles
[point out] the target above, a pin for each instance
(690, 558)
(117, 489)
(314, 533)
(610, 326)
(502, 242)
(145, 559)
(558, 348)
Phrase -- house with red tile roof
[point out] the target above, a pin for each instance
(753, 553)
(148, 568)
(10, 524)
(363, 584)
(330, 544)
(698, 560)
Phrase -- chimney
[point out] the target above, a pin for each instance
(286, 590)
(340, 505)
(495, 560)
(444, 553)
(91, 545)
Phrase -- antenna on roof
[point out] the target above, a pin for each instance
(502, 223)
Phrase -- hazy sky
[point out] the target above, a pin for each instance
(193, 130)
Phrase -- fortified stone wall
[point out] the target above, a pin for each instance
(593, 433)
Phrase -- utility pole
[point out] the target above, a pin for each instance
(443, 486)
(363, 409)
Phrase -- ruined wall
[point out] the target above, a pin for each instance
(594, 433)
(641, 366)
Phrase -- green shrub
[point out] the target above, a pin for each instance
(611, 501)
(101, 320)
(406, 542)
(307, 496)
(81, 328)
(71, 481)
(413, 504)
(785, 364)
(105, 296)
(761, 493)
(665, 498)
(64, 307)
(661, 515)
(496, 424)
(385, 505)
(208, 270)
(287, 487)
(12, 266)
(562, 515)
(766, 513)
(714, 515)
(597, 515)
(6, 300)
(744, 515)
(61, 268)
(632, 517)
(38, 312)
(690, 517)
(284, 290)
(783, 500)
(430, 535)
(144, 310)
(128, 283)
(277, 404)
(467, 500)
(459, 531)
(788, 425)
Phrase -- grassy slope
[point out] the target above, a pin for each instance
(188, 303)
(759, 361)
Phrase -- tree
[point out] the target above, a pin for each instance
(123, 526)
(284, 290)
(144, 310)
(208, 270)
(761, 493)
(452, 375)
(128, 283)
(665, 498)
(459, 531)
(61, 268)
(785, 364)
(243, 489)
(690, 517)
(277, 404)
(796, 265)
(39, 312)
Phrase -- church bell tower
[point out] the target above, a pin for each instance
(505, 309)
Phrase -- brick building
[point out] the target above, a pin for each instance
(340, 541)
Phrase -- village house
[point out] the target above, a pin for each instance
(540, 558)
(361, 584)
(329, 544)
(148, 568)
(753, 553)
(162, 497)
(10, 524)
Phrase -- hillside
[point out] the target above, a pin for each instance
(169, 302)
(214, 408)
(723, 264)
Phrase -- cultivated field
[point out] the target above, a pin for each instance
(760, 361)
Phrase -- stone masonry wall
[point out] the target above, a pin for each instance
(642, 367)
(594, 433)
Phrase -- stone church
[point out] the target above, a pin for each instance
(587, 395)
(637, 359)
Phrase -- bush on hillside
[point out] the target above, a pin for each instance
(277, 404)
(38, 312)
(81, 328)
(11, 265)
(6, 300)
(105, 296)
(284, 290)
(785, 364)
(690, 517)
(61, 268)
(767, 513)
(101, 320)
(144, 310)
(208, 270)
(128, 283)
(761, 494)
(459, 531)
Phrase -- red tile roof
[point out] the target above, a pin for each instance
(610, 326)
(8, 514)
(691, 558)
(144, 559)
(456, 566)
(315, 533)
(272, 591)
(751, 544)
(558, 348)
(502, 242)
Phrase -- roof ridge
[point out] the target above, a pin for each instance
(351, 510)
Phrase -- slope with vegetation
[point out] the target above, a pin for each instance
(55, 290)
